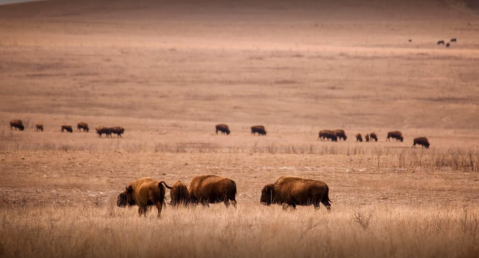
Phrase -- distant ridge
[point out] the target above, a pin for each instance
(466, 6)
(6, 2)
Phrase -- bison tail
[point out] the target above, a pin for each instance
(163, 182)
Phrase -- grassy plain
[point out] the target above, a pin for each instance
(169, 71)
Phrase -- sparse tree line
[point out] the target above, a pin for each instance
(82, 126)
(288, 191)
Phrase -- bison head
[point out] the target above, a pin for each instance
(21, 127)
(126, 198)
(426, 145)
(267, 194)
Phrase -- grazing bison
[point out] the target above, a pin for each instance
(118, 130)
(421, 141)
(143, 192)
(208, 189)
(453, 40)
(327, 134)
(359, 138)
(366, 138)
(103, 130)
(179, 194)
(83, 126)
(395, 135)
(447, 45)
(39, 127)
(373, 136)
(67, 128)
(17, 124)
(340, 134)
(288, 190)
(440, 42)
(258, 129)
(223, 128)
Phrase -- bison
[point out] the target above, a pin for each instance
(103, 130)
(208, 189)
(83, 126)
(359, 138)
(258, 129)
(340, 134)
(447, 45)
(39, 127)
(327, 134)
(17, 124)
(395, 135)
(118, 130)
(440, 42)
(453, 40)
(292, 191)
(223, 128)
(67, 128)
(143, 192)
(373, 136)
(366, 137)
(179, 194)
(421, 141)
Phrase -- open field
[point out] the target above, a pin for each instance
(169, 71)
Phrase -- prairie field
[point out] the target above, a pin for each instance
(169, 71)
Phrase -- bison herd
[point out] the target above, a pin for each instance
(82, 126)
(287, 191)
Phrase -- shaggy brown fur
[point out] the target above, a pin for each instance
(208, 189)
(223, 128)
(340, 134)
(421, 141)
(373, 136)
(83, 126)
(118, 130)
(359, 138)
(39, 127)
(327, 134)
(179, 194)
(289, 190)
(258, 129)
(143, 192)
(67, 128)
(395, 135)
(103, 130)
(17, 124)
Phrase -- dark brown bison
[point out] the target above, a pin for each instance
(223, 128)
(39, 127)
(440, 42)
(421, 141)
(373, 136)
(447, 45)
(288, 190)
(208, 189)
(453, 40)
(395, 135)
(83, 126)
(258, 129)
(103, 130)
(143, 192)
(118, 130)
(17, 124)
(67, 128)
(340, 134)
(366, 138)
(179, 194)
(327, 134)
(359, 138)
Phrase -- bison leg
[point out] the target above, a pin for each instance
(142, 211)
(205, 203)
(227, 203)
(159, 206)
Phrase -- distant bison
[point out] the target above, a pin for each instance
(208, 189)
(327, 134)
(39, 127)
(359, 138)
(395, 135)
(447, 45)
(67, 128)
(440, 42)
(83, 126)
(453, 40)
(103, 130)
(118, 130)
(143, 192)
(223, 128)
(292, 191)
(340, 134)
(421, 141)
(179, 194)
(17, 124)
(258, 129)
(366, 138)
(373, 136)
